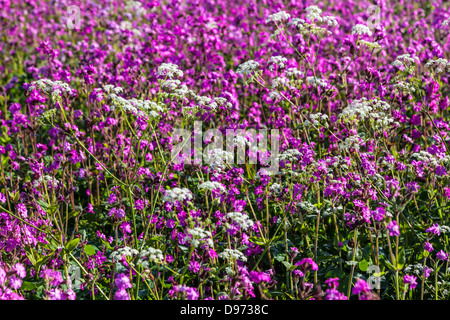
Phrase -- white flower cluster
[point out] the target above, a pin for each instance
(169, 70)
(306, 28)
(362, 109)
(177, 194)
(406, 62)
(275, 188)
(217, 158)
(416, 269)
(317, 118)
(232, 254)
(309, 207)
(127, 251)
(432, 160)
(293, 72)
(314, 81)
(446, 22)
(289, 155)
(438, 66)
(248, 67)
(263, 172)
(279, 61)
(370, 45)
(280, 81)
(361, 29)
(171, 85)
(223, 102)
(240, 141)
(241, 219)
(277, 17)
(49, 180)
(199, 236)
(313, 14)
(404, 88)
(274, 95)
(212, 185)
(52, 88)
(351, 142)
(133, 105)
(149, 255)
(135, 6)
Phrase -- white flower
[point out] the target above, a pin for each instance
(316, 82)
(150, 255)
(232, 254)
(241, 219)
(293, 72)
(361, 29)
(199, 236)
(313, 13)
(212, 185)
(274, 95)
(277, 17)
(169, 70)
(277, 61)
(248, 67)
(438, 65)
(370, 45)
(177, 194)
(280, 81)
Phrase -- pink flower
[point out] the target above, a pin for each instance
(393, 228)
(411, 280)
(360, 287)
(442, 255)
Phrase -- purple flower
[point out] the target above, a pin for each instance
(20, 270)
(428, 246)
(434, 229)
(15, 283)
(118, 213)
(56, 294)
(3, 277)
(411, 280)
(121, 294)
(379, 214)
(258, 277)
(332, 282)
(393, 228)
(440, 171)
(123, 281)
(334, 294)
(22, 210)
(307, 264)
(442, 255)
(194, 266)
(112, 198)
(2, 198)
(360, 287)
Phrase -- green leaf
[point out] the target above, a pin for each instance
(390, 265)
(72, 244)
(363, 265)
(257, 240)
(288, 265)
(280, 257)
(90, 250)
(401, 259)
(28, 286)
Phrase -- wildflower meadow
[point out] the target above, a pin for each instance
(224, 150)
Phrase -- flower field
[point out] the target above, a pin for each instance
(224, 150)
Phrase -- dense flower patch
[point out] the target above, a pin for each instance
(351, 97)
